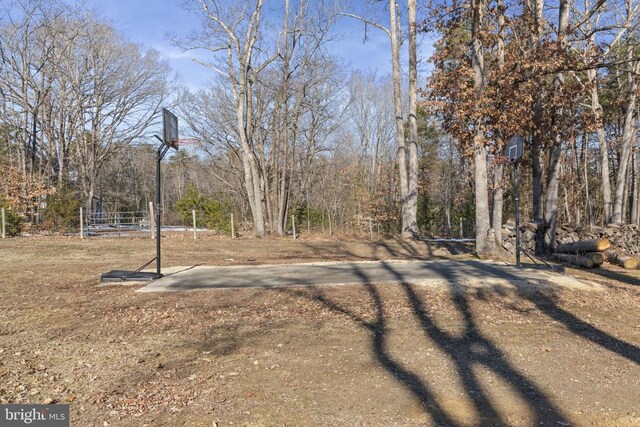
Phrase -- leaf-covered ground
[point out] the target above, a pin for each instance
(351, 355)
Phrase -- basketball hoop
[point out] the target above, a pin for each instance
(169, 129)
(169, 140)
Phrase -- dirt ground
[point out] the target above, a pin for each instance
(331, 356)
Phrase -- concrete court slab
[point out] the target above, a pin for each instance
(438, 273)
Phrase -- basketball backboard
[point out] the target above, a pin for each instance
(514, 149)
(169, 129)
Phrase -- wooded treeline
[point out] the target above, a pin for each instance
(74, 92)
(286, 128)
(281, 113)
(562, 74)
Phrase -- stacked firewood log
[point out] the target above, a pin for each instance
(583, 253)
(586, 247)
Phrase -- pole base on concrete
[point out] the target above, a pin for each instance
(129, 276)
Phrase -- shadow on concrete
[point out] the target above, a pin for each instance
(381, 250)
(545, 303)
(182, 270)
(468, 351)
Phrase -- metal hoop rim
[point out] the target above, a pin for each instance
(188, 141)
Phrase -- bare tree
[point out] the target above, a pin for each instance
(408, 177)
(410, 228)
(234, 31)
(27, 57)
(623, 20)
(123, 89)
(628, 134)
(371, 120)
(279, 88)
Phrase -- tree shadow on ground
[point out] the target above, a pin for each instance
(467, 351)
(380, 250)
(454, 247)
(471, 349)
(548, 305)
(392, 248)
(629, 278)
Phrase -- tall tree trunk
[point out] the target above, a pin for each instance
(585, 174)
(498, 189)
(483, 243)
(576, 171)
(537, 170)
(536, 8)
(410, 227)
(551, 199)
(252, 184)
(625, 197)
(498, 202)
(635, 210)
(596, 108)
(397, 104)
(627, 144)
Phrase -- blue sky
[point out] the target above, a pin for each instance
(148, 22)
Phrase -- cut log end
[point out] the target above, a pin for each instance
(603, 244)
(622, 260)
(596, 257)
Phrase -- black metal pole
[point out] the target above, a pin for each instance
(158, 160)
(517, 209)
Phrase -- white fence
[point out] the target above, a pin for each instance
(118, 223)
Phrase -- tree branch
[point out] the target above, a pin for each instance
(366, 21)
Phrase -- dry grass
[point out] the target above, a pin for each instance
(361, 355)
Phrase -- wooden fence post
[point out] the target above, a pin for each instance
(4, 225)
(461, 231)
(370, 229)
(152, 221)
(193, 213)
(81, 223)
(233, 228)
(293, 225)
